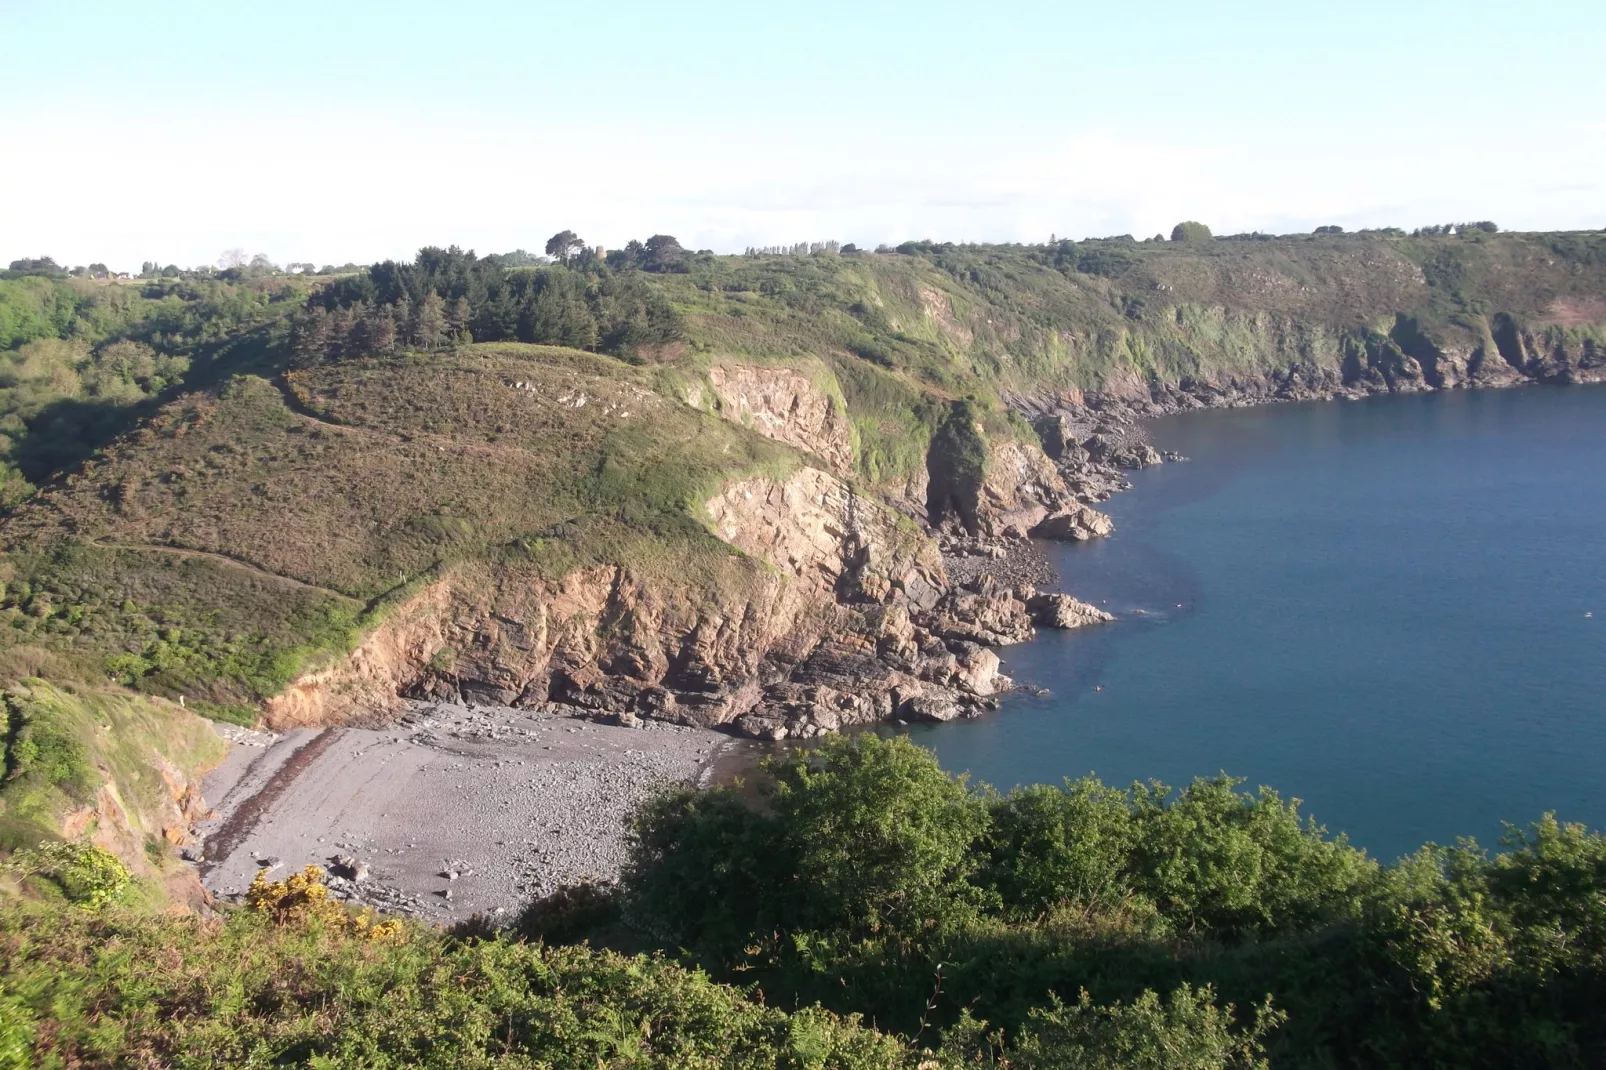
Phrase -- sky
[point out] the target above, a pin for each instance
(341, 131)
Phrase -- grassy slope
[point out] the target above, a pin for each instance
(1020, 317)
(121, 761)
(237, 537)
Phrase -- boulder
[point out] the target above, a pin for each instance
(1063, 611)
(1079, 523)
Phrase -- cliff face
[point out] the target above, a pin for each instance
(849, 620)
(785, 405)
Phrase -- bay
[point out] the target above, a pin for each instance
(1392, 609)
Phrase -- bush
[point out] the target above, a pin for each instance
(86, 875)
(120, 989)
(303, 898)
(1186, 1031)
(1190, 231)
(880, 835)
(1046, 845)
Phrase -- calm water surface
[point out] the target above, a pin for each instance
(1379, 607)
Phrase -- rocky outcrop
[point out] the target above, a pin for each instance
(1021, 488)
(816, 528)
(841, 614)
(787, 406)
(1078, 523)
(1063, 611)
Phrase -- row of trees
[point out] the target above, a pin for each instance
(1446, 229)
(321, 335)
(448, 296)
(802, 248)
(47, 267)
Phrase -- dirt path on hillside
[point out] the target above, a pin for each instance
(514, 802)
(227, 561)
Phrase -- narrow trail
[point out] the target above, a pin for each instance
(226, 560)
(427, 438)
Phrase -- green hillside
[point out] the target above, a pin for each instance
(312, 457)
(216, 486)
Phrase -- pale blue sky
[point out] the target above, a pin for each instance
(336, 131)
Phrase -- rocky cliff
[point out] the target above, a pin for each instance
(850, 621)
(788, 406)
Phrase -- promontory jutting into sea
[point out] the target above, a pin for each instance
(575, 659)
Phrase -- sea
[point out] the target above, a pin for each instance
(1392, 609)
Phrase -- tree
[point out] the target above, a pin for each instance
(664, 253)
(39, 265)
(457, 320)
(232, 258)
(1190, 231)
(261, 265)
(381, 330)
(1330, 229)
(562, 245)
(429, 322)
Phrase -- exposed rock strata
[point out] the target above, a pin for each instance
(788, 406)
(853, 622)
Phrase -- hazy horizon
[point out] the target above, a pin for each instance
(365, 133)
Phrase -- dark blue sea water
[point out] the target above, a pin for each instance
(1379, 607)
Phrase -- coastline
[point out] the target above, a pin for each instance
(517, 802)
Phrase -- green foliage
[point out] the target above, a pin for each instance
(447, 297)
(1184, 1031)
(122, 989)
(87, 875)
(43, 746)
(1212, 859)
(1190, 231)
(865, 883)
(884, 833)
(1048, 844)
(16, 1033)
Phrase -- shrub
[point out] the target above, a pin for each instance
(1190, 231)
(304, 897)
(1186, 1031)
(86, 875)
(1046, 844)
(880, 836)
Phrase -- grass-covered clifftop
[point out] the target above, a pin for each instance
(237, 535)
(295, 455)
(1083, 314)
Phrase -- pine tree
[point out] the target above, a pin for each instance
(457, 318)
(402, 313)
(429, 323)
(381, 329)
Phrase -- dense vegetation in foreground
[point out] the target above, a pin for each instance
(875, 912)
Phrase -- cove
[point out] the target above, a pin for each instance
(1380, 607)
